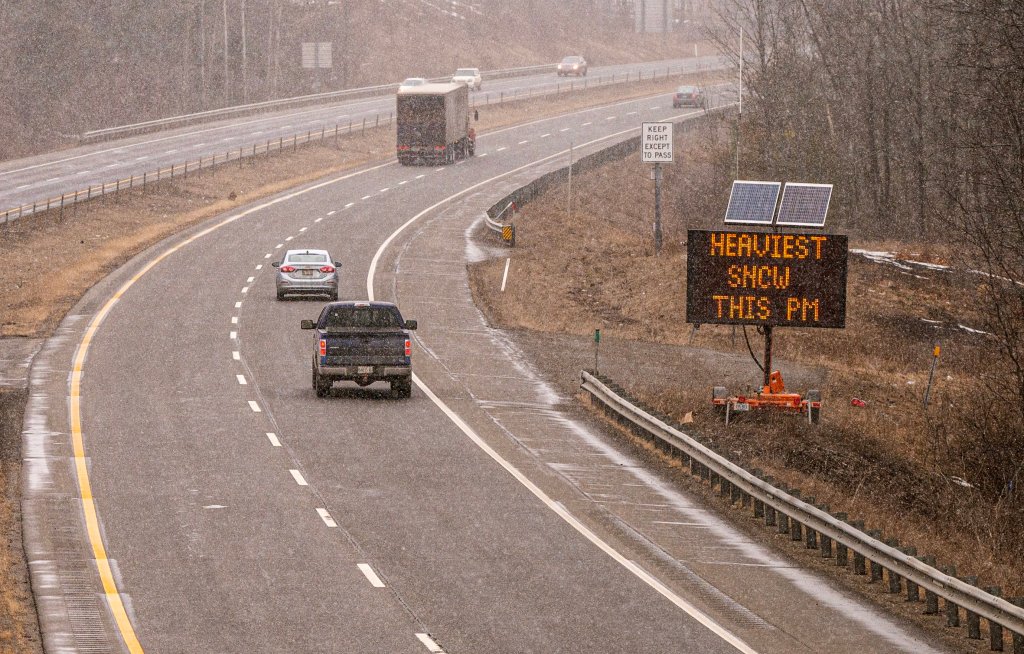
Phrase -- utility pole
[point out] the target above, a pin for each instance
(227, 77)
(245, 61)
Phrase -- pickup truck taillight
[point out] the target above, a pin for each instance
(287, 269)
(323, 347)
(326, 269)
(408, 347)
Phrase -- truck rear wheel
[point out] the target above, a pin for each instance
(402, 388)
(320, 385)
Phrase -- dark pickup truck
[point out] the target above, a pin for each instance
(364, 342)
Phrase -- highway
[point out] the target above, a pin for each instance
(48, 176)
(240, 513)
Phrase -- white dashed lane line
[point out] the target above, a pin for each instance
(318, 219)
(482, 155)
(279, 246)
(367, 197)
(250, 280)
(565, 129)
(237, 356)
(501, 148)
(350, 204)
(241, 380)
(544, 136)
(255, 407)
(404, 181)
(288, 239)
(384, 190)
(420, 176)
(302, 229)
(370, 575)
(238, 305)
(272, 437)
(631, 113)
(245, 290)
(524, 142)
(585, 124)
(611, 117)
(233, 336)
(268, 255)
(299, 479)
(331, 213)
(234, 320)
(430, 644)
(326, 517)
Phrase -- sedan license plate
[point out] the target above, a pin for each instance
(364, 370)
(741, 406)
(307, 273)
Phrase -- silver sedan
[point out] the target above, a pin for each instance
(307, 272)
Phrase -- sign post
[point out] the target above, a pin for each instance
(656, 148)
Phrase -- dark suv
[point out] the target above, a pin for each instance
(573, 65)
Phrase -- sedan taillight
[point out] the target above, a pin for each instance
(326, 269)
(287, 268)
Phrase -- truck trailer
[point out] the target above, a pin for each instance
(433, 124)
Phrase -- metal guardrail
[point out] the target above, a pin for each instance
(507, 231)
(273, 105)
(733, 479)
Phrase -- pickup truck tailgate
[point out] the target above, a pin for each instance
(365, 349)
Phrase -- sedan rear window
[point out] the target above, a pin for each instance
(307, 258)
(345, 318)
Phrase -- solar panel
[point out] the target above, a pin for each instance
(804, 205)
(752, 203)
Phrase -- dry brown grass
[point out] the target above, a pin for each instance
(890, 463)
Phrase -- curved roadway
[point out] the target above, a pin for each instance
(240, 513)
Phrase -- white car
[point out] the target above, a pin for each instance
(468, 76)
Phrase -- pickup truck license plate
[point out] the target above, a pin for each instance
(741, 406)
(364, 370)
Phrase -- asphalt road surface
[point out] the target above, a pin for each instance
(240, 513)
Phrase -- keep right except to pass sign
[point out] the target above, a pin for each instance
(758, 278)
(656, 142)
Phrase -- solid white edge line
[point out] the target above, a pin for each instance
(429, 643)
(299, 479)
(556, 507)
(370, 575)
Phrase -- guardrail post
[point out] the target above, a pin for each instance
(842, 558)
(859, 567)
(973, 619)
(952, 610)
(876, 567)
(894, 579)
(931, 600)
(913, 593)
(795, 528)
(1018, 639)
(995, 631)
(810, 536)
(758, 504)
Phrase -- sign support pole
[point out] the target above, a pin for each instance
(657, 208)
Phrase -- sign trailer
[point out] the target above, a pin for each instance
(768, 279)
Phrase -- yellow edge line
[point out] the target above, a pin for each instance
(92, 521)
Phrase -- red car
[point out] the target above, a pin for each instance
(689, 96)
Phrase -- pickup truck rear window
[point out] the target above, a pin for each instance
(363, 318)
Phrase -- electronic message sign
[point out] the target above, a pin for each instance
(758, 278)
